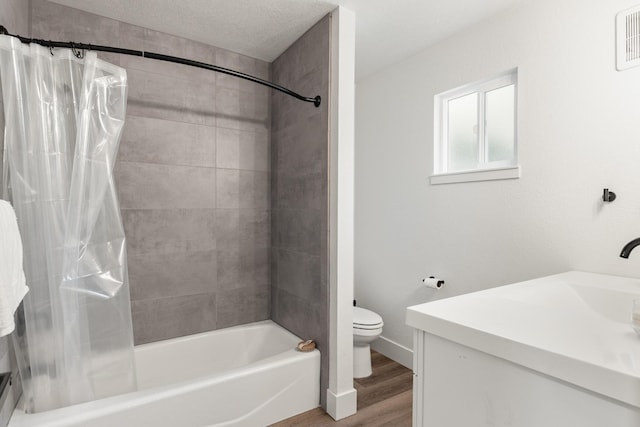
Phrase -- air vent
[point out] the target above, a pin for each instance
(628, 38)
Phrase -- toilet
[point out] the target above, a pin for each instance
(367, 326)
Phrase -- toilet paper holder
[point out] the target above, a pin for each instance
(432, 282)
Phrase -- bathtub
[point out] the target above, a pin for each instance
(248, 375)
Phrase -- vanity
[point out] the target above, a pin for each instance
(550, 352)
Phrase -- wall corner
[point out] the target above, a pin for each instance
(341, 396)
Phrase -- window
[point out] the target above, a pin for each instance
(475, 131)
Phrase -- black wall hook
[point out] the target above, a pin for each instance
(608, 196)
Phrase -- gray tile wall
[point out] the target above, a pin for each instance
(299, 195)
(192, 177)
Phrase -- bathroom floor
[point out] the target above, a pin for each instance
(384, 399)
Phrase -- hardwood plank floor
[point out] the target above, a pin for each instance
(384, 400)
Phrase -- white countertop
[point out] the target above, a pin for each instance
(573, 326)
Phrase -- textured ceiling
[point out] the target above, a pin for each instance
(387, 31)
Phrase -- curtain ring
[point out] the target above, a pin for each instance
(78, 53)
(51, 47)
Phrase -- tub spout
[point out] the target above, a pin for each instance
(626, 251)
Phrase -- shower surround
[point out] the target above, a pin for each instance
(192, 177)
(222, 185)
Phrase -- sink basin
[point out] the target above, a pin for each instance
(596, 297)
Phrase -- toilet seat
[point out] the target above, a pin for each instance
(366, 319)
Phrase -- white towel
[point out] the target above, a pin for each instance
(12, 283)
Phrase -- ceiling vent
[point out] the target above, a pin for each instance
(628, 38)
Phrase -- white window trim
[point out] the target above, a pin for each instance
(486, 170)
(512, 172)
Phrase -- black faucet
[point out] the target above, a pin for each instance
(629, 247)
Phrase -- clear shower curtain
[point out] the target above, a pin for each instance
(64, 116)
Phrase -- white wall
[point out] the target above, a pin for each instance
(579, 132)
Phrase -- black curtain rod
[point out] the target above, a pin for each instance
(77, 47)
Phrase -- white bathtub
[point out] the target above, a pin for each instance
(248, 375)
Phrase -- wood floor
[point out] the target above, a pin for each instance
(384, 399)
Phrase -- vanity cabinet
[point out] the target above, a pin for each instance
(551, 352)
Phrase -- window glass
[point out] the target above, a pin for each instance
(499, 124)
(462, 149)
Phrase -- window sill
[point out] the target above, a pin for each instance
(511, 172)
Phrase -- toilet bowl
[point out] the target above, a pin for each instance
(367, 326)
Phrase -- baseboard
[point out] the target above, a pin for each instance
(342, 405)
(394, 351)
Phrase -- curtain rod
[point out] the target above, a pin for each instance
(78, 47)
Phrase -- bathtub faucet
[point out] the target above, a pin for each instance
(626, 251)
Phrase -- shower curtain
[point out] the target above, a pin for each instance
(64, 116)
